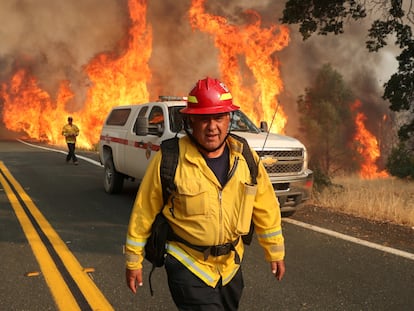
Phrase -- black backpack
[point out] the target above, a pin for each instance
(161, 230)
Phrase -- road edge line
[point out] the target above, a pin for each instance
(60, 151)
(352, 239)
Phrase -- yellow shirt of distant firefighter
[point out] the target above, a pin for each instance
(70, 131)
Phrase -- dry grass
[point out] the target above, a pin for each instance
(384, 199)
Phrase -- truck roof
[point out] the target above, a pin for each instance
(166, 103)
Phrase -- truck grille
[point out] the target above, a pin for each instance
(288, 161)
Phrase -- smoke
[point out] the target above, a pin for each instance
(180, 55)
(364, 72)
(55, 39)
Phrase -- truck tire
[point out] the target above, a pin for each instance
(113, 180)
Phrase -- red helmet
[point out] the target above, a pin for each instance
(209, 96)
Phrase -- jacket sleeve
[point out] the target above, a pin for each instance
(267, 218)
(147, 205)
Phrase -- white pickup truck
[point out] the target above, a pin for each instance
(132, 134)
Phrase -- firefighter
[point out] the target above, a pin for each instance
(209, 212)
(71, 131)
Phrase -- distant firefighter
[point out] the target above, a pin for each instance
(70, 131)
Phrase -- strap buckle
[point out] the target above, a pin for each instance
(220, 250)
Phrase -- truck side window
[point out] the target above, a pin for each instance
(141, 113)
(176, 119)
(156, 119)
(118, 117)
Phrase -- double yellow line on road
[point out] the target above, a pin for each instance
(60, 290)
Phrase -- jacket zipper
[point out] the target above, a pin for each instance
(220, 193)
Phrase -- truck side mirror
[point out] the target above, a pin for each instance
(263, 126)
(141, 126)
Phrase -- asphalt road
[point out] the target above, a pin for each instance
(84, 228)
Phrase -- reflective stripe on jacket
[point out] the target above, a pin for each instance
(204, 213)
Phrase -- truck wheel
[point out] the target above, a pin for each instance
(113, 181)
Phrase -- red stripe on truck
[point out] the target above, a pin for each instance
(135, 144)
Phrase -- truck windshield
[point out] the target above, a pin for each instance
(239, 123)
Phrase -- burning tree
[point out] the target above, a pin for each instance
(395, 20)
(327, 123)
(335, 128)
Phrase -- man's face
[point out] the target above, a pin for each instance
(210, 131)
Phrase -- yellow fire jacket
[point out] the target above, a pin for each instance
(70, 132)
(202, 212)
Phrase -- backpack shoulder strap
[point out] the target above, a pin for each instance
(251, 163)
(248, 155)
(169, 162)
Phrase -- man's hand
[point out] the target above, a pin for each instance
(278, 269)
(133, 279)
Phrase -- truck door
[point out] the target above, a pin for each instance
(144, 147)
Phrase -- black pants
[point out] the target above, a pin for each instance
(71, 153)
(191, 293)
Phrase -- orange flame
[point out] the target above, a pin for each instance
(368, 147)
(29, 109)
(114, 81)
(257, 45)
(122, 79)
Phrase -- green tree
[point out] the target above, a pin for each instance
(327, 123)
(323, 17)
(401, 162)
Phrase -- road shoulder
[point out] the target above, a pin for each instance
(382, 233)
